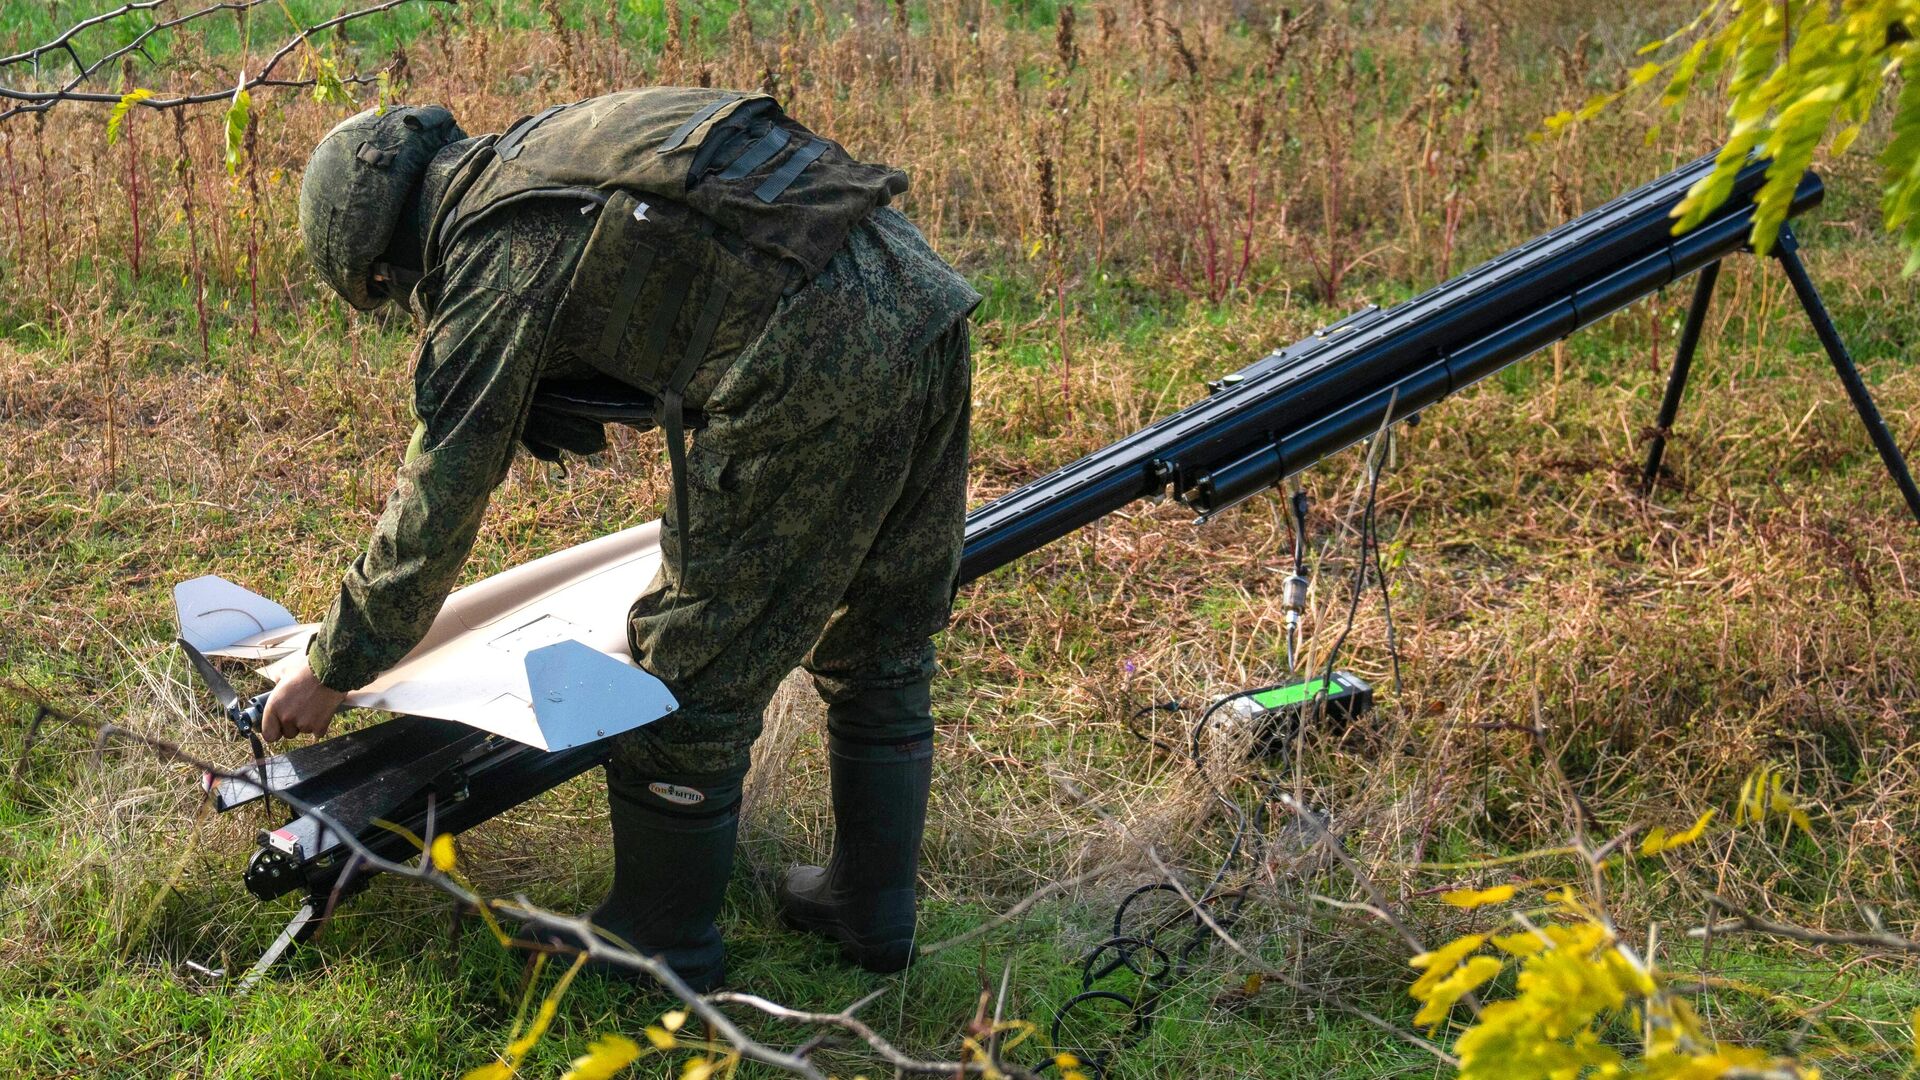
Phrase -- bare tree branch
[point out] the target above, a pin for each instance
(65, 40)
(846, 1021)
(86, 71)
(1742, 921)
(41, 100)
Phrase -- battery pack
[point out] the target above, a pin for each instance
(1274, 715)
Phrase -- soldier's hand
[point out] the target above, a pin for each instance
(300, 705)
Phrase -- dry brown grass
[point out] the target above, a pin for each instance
(1761, 609)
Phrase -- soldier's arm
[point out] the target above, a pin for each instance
(472, 385)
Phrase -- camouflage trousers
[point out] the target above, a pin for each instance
(827, 498)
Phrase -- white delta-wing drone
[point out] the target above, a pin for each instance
(537, 653)
(516, 687)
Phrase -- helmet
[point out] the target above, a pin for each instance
(358, 184)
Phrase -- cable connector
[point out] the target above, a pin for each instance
(1293, 595)
(1293, 592)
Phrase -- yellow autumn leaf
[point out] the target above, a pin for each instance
(443, 859)
(1844, 140)
(1658, 841)
(1468, 899)
(117, 118)
(605, 1056)
(542, 1019)
(494, 1070)
(1022, 1029)
(1439, 963)
(1449, 955)
(543, 1016)
(1455, 986)
(1525, 943)
(1646, 73)
(239, 115)
(1594, 106)
(1914, 1024)
(661, 1038)
(1566, 896)
(1782, 804)
(1763, 794)
(697, 1069)
(1753, 802)
(673, 1021)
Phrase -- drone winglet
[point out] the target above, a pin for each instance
(536, 654)
(214, 614)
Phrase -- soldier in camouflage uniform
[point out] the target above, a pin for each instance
(818, 514)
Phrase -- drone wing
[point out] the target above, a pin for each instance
(537, 653)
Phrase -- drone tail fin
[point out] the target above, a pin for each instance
(581, 695)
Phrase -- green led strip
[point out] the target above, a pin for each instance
(1297, 694)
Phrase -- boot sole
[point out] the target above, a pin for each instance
(881, 958)
(702, 977)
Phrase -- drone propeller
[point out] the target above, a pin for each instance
(222, 689)
(244, 714)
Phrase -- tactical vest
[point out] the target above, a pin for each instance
(713, 205)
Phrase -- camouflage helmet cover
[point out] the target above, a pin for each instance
(356, 186)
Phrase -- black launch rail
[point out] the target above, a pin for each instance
(1259, 426)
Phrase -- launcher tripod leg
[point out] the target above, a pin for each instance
(299, 928)
(1677, 379)
(1788, 254)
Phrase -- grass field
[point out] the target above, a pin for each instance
(1150, 193)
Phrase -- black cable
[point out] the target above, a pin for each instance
(1359, 587)
(1156, 963)
(1294, 596)
(1372, 540)
(1369, 539)
(1370, 544)
(1124, 949)
(1152, 740)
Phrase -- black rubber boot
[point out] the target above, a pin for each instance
(864, 897)
(672, 854)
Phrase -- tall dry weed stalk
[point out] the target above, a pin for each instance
(17, 249)
(133, 196)
(1198, 149)
(43, 182)
(184, 169)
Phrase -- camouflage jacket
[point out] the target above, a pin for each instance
(487, 312)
